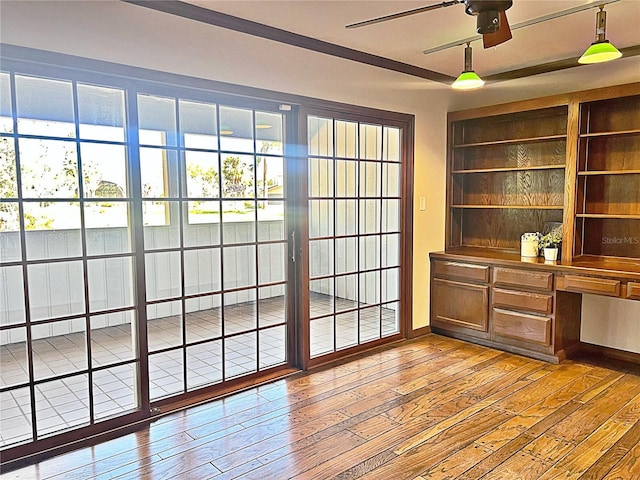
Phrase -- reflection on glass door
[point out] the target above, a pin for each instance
(354, 178)
(68, 341)
(213, 206)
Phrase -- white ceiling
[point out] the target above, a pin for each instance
(405, 39)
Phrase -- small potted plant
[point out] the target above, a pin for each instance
(550, 243)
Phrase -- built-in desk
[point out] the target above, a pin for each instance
(521, 305)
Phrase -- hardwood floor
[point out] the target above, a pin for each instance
(430, 408)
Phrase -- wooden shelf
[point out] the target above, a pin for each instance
(530, 207)
(604, 262)
(608, 172)
(509, 169)
(610, 134)
(514, 170)
(512, 141)
(607, 193)
(574, 164)
(608, 215)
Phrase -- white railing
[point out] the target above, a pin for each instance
(57, 289)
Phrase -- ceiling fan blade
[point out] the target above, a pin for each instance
(501, 36)
(406, 13)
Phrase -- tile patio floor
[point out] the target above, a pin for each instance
(62, 404)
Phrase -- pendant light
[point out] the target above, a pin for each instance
(226, 130)
(600, 50)
(468, 79)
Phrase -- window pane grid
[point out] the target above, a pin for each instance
(229, 252)
(240, 152)
(357, 173)
(58, 190)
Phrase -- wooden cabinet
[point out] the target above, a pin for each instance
(460, 305)
(512, 169)
(504, 303)
(572, 159)
(460, 293)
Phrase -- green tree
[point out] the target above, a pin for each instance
(40, 180)
(8, 186)
(237, 178)
(206, 180)
(264, 148)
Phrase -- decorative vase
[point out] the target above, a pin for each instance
(551, 253)
(529, 245)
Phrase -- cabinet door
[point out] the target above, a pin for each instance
(462, 305)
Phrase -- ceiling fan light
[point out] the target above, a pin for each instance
(468, 81)
(600, 52)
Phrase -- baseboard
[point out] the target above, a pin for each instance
(609, 352)
(419, 332)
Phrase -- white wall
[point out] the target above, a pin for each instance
(132, 35)
(612, 322)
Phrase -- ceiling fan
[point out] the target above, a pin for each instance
(491, 20)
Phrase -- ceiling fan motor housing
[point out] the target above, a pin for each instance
(488, 13)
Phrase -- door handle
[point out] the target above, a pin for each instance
(293, 246)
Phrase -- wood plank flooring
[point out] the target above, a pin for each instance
(430, 408)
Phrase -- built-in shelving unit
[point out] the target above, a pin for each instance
(506, 171)
(573, 159)
(608, 179)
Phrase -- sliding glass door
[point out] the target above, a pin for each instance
(213, 209)
(143, 251)
(354, 233)
(161, 243)
(68, 327)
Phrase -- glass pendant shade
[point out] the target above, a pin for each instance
(600, 52)
(468, 79)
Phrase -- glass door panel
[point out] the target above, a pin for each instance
(68, 321)
(215, 245)
(354, 233)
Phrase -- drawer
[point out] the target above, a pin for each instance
(466, 271)
(534, 302)
(633, 290)
(598, 286)
(523, 278)
(521, 326)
